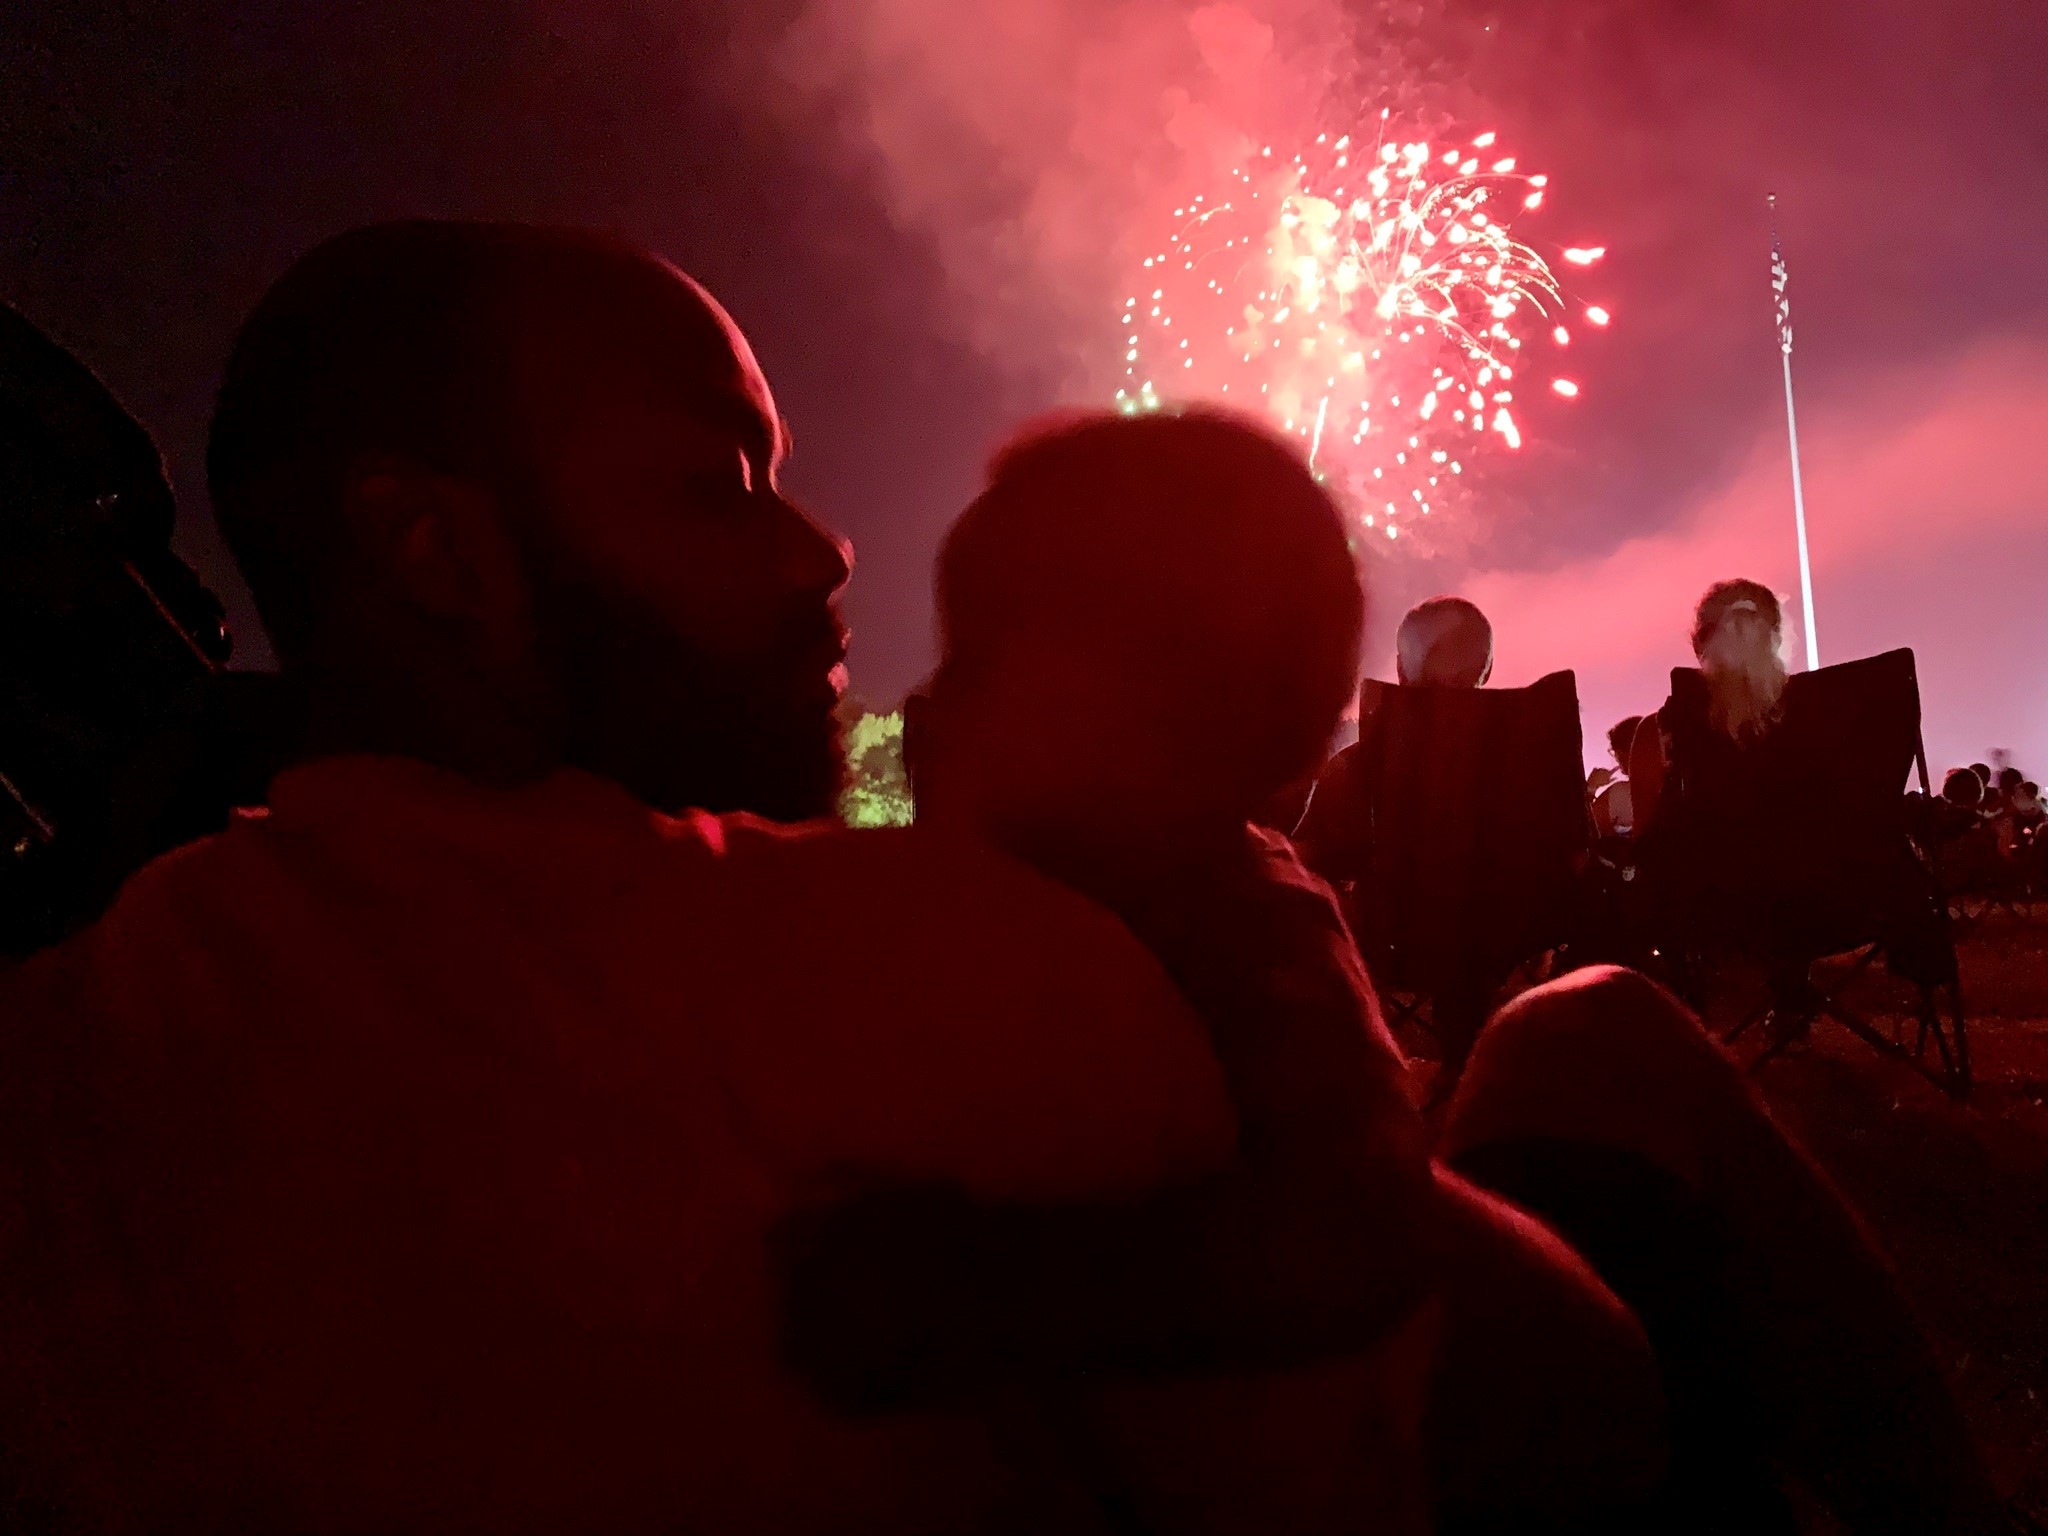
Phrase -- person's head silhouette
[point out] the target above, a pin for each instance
(1444, 642)
(1146, 624)
(1963, 788)
(1738, 636)
(1621, 739)
(506, 497)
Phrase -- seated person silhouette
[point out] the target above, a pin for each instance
(1975, 852)
(1749, 863)
(1959, 809)
(1613, 805)
(2030, 816)
(1596, 1099)
(1120, 576)
(403, 1158)
(1443, 642)
(2026, 803)
(2006, 799)
(1738, 638)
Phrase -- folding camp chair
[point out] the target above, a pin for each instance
(1795, 848)
(121, 733)
(1478, 831)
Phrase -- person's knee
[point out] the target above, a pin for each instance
(1604, 1026)
(1607, 1006)
(1603, 1055)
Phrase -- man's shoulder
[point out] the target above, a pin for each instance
(179, 887)
(146, 932)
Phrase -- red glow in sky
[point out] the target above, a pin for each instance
(1928, 511)
(920, 208)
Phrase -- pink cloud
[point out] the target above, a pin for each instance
(1928, 513)
(1038, 147)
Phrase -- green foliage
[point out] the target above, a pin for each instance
(877, 790)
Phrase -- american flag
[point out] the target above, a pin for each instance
(1778, 281)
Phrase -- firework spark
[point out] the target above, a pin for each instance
(1369, 298)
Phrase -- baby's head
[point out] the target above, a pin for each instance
(1148, 626)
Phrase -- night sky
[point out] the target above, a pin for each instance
(916, 208)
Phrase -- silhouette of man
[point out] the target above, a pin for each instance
(404, 1158)
(513, 506)
(1444, 642)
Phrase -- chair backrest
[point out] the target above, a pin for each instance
(108, 641)
(1479, 821)
(1839, 756)
(1809, 818)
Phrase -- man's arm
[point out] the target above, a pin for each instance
(1315, 1240)
(1334, 834)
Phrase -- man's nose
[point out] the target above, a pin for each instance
(816, 558)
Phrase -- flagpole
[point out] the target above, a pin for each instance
(1778, 282)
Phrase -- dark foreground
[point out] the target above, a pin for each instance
(1958, 1194)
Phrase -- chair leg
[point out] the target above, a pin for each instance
(1772, 1051)
(1869, 1033)
(1951, 1039)
(1961, 1084)
(1745, 1024)
(1929, 1022)
(1903, 1040)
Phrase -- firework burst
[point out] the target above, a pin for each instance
(1369, 298)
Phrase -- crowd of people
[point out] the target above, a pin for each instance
(483, 1134)
(1981, 831)
(1985, 831)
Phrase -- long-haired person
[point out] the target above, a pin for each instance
(1738, 637)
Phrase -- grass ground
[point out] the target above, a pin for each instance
(1957, 1193)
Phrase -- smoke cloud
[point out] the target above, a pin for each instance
(1035, 145)
(1035, 149)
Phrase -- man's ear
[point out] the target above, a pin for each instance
(442, 548)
